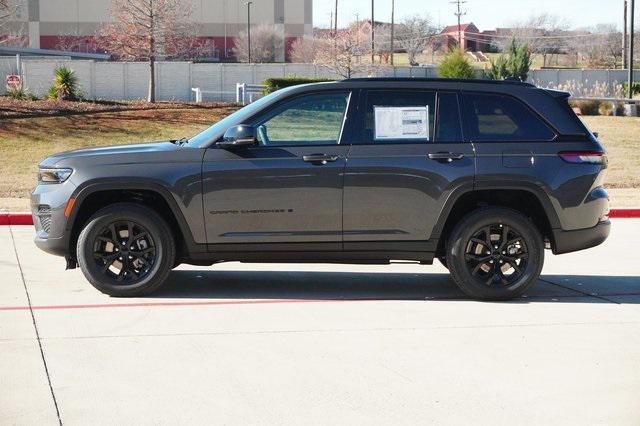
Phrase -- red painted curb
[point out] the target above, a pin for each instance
(624, 213)
(16, 219)
(26, 219)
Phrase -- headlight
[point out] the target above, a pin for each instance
(53, 175)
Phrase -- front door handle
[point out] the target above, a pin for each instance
(447, 157)
(320, 158)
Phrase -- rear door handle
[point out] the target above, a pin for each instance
(320, 158)
(446, 156)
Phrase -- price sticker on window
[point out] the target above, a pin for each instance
(401, 122)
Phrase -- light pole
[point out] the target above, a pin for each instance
(373, 44)
(249, 3)
(392, 27)
(631, 40)
(624, 35)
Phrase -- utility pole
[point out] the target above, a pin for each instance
(625, 26)
(249, 3)
(373, 25)
(335, 21)
(392, 27)
(459, 14)
(631, 37)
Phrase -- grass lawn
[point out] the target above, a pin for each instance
(24, 142)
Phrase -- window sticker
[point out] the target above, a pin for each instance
(401, 122)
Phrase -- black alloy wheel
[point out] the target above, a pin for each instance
(124, 251)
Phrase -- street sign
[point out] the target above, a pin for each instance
(13, 81)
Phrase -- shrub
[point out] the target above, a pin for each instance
(278, 83)
(636, 87)
(455, 65)
(20, 93)
(587, 107)
(65, 85)
(607, 108)
(514, 63)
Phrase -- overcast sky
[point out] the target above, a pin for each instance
(486, 14)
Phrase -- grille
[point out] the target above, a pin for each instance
(44, 216)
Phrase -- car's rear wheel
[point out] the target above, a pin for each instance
(126, 250)
(495, 254)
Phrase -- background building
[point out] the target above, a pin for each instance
(47, 24)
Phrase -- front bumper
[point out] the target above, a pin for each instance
(580, 239)
(56, 246)
(48, 202)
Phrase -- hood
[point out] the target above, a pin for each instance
(118, 153)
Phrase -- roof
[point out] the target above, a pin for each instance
(454, 28)
(437, 80)
(8, 50)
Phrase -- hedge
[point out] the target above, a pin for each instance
(274, 84)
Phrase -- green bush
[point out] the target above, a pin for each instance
(278, 83)
(65, 85)
(456, 65)
(587, 107)
(20, 93)
(513, 63)
(636, 87)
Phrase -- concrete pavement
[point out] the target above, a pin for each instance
(321, 344)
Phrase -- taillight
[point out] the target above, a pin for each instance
(584, 157)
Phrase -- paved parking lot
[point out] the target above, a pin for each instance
(321, 344)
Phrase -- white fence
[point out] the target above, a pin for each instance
(129, 80)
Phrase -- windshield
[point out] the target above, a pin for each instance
(214, 132)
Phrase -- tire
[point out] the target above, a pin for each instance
(126, 250)
(506, 268)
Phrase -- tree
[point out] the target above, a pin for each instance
(603, 48)
(382, 42)
(513, 63)
(456, 65)
(415, 34)
(65, 85)
(545, 34)
(11, 31)
(303, 50)
(340, 52)
(145, 30)
(267, 44)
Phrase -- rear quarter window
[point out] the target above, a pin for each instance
(501, 118)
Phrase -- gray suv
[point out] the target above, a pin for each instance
(481, 175)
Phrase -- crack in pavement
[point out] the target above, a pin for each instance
(584, 293)
(35, 326)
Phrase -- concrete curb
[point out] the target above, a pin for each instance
(26, 219)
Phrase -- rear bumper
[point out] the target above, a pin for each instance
(580, 239)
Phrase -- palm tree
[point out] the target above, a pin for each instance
(65, 85)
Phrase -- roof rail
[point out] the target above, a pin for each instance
(441, 80)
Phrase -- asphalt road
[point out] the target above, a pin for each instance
(321, 344)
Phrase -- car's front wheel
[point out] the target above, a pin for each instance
(126, 250)
(495, 254)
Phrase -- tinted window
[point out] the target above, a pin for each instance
(314, 119)
(399, 116)
(448, 126)
(502, 118)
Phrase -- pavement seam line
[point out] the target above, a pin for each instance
(597, 296)
(35, 326)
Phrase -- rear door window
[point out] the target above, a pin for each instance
(500, 118)
(399, 116)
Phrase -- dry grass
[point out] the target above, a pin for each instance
(24, 142)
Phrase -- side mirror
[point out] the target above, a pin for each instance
(241, 135)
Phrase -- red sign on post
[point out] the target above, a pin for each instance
(13, 81)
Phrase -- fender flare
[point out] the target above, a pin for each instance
(107, 184)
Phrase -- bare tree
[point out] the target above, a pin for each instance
(382, 39)
(303, 50)
(12, 32)
(340, 52)
(545, 34)
(602, 48)
(145, 30)
(267, 44)
(415, 34)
